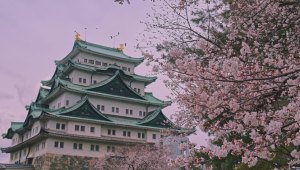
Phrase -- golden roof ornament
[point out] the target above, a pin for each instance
(121, 47)
(77, 37)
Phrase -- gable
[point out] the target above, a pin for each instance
(158, 121)
(117, 87)
(85, 111)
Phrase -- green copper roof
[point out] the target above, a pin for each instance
(43, 92)
(155, 118)
(68, 85)
(16, 125)
(62, 69)
(84, 109)
(100, 50)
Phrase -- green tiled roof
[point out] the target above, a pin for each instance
(62, 68)
(100, 50)
(16, 125)
(85, 90)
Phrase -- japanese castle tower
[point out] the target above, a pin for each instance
(93, 103)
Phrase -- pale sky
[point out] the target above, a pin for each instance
(34, 33)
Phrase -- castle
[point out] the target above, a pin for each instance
(93, 103)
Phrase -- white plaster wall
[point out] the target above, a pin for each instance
(35, 124)
(51, 124)
(119, 132)
(122, 105)
(18, 139)
(109, 103)
(72, 97)
(82, 55)
(71, 128)
(28, 135)
(60, 98)
(149, 134)
(68, 147)
(99, 77)
(41, 150)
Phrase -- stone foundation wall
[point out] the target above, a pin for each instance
(50, 161)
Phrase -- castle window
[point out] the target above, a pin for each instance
(108, 148)
(80, 80)
(43, 145)
(108, 131)
(98, 107)
(92, 147)
(117, 110)
(113, 149)
(61, 144)
(144, 113)
(134, 89)
(76, 127)
(74, 145)
(113, 132)
(92, 129)
(143, 135)
(97, 148)
(140, 113)
(139, 90)
(84, 81)
(67, 102)
(128, 133)
(57, 125)
(63, 126)
(56, 144)
(128, 70)
(98, 63)
(102, 108)
(130, 112)
(104, 64)
(82, 128)
(95, 81)
(91, 61)
(85, 60)
(124, 68)
(113, 109)
(80, 146)
(127, 111)
(37, 147)
(153, 136)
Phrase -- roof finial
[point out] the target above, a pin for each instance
(121, 47)
(77, 36)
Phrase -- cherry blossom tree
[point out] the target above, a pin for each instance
(139, 157)
(234, 71)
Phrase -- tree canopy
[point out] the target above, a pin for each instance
(233, 67)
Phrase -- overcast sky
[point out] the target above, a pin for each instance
(34, 33)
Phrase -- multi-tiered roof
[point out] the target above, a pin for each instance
(114, 88)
